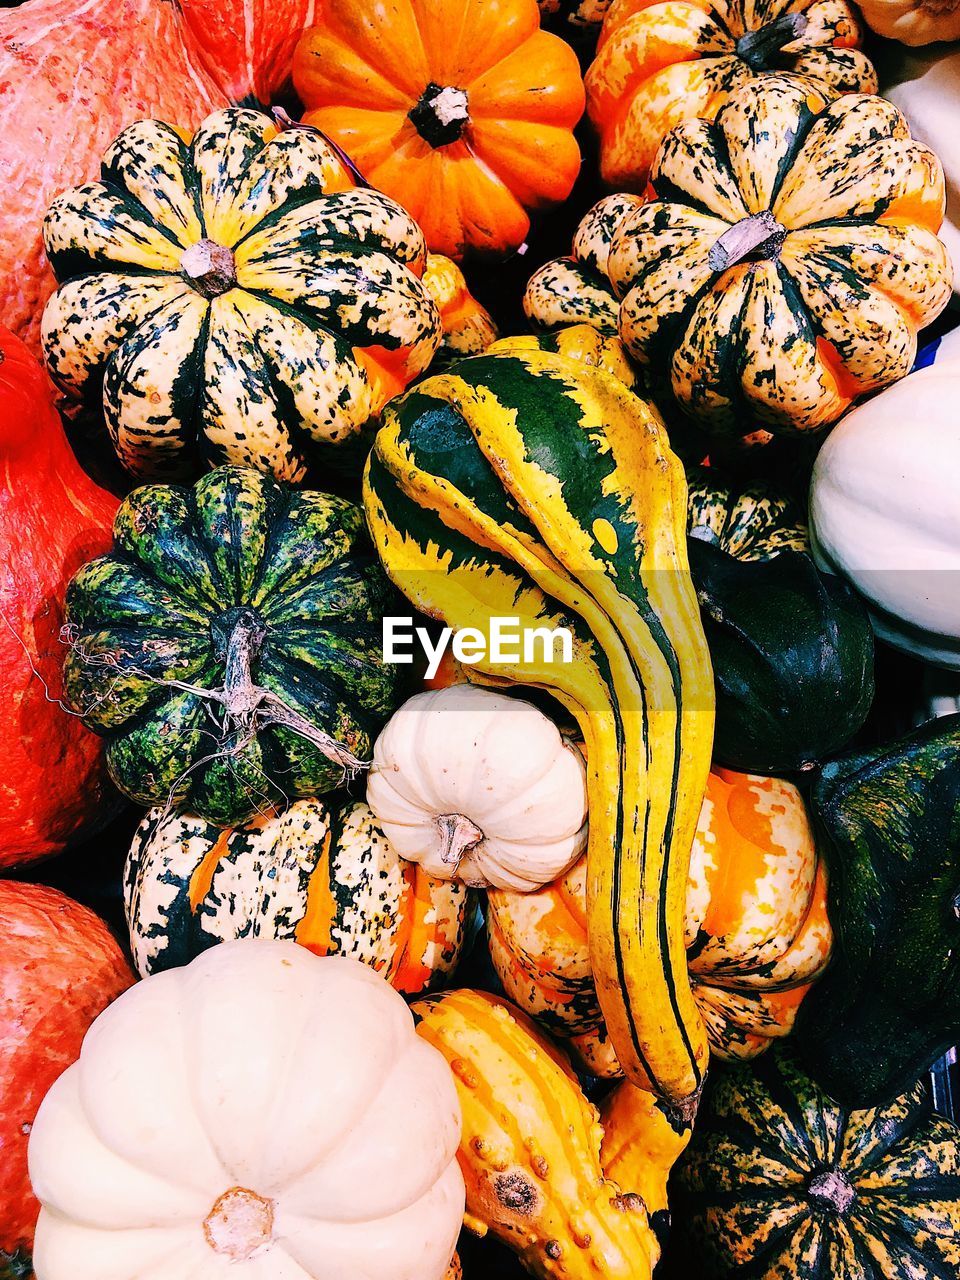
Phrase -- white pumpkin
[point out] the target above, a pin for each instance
(479, 787)
(926, 88)
(261, 1114)
(885, 511)
(913, 22)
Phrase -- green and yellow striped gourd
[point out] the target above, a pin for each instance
(533, 487)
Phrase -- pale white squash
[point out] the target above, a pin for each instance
(913, 22)
(261, 1114)
(926, 87)
(885, 511)
(479, 787)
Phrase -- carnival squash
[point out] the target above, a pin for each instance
(885, 512)
(913, 22)
(779, 1180)
(108, 63)
(530, 1147)
(261, 1112)
(577, 290)
(320, 872)
(756, 928)
(577, 342)
(233, 298)
(468, 327)
(787, 261)
(52, 519)
(752, 522)
(574, 15)
(656, 67)
(463, 110)
(479, 787)
(229, 648)
(925, 85)
(538, 488)
(889, 1005)
(792, 653)
(59, 967)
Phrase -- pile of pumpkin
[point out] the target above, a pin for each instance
(649, 949)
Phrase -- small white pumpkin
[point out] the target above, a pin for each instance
(885, 511)
(261, 1114)
(913, 22)
(479, 787)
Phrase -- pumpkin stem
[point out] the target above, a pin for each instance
(758, 237)
(458, 837)
(441, 115)
(760, 49)
(832, 1190)
(209, 267)
(239, 1224)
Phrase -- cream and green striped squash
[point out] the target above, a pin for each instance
(787, 261)
(233, 297)
(752, 522)
(319, 873)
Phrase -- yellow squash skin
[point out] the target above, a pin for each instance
(570, 511)
(788, 261)
(642, 1140)
(660, 62)
(577, 342)
(757, 932)
(530, 1147)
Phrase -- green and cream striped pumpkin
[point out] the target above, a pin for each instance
(755, 522)
(321, 873)
(781, 1183)
(235, 296)
(229, 648)
(787, 261)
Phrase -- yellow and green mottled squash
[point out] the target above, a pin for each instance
(321, 873)
(230, 647)
(577, 289)
(534, 487)
(582, 342)
(233, 297)
(755, 522)
(468, 328)
(787, 261)
(756, 929)
(780, 1181)
(530, 1147)
(657, 66)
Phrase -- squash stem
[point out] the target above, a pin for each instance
(458, 837)
(758, 237)
(441, 115)
(760, 49)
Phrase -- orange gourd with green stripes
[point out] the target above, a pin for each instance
(530, 1147)
(322, 875)
(529, 486)
(756, 930)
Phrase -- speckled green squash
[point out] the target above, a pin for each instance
(320, 873)
(577, 289)
(781, 1183)
(788, 261)
(752, 523)
(230, 647)
(235, 296)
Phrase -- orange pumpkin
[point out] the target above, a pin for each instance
(462, 110)
(757, 932)
(660, 63)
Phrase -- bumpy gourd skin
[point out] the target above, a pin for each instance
(239, 299)
(783, 271)
(530, 1147)
(238, 584)
(781, 1182)
(536, 487)
(659, 64)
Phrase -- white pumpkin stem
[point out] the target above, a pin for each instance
(209, 267)
(458, 837)
(760, 234)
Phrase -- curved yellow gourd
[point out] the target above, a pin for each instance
(528, 485)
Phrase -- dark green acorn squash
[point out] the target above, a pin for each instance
(781, 1183)
(750, 523)
(792, 655)
(890, 1004)
(230, 647)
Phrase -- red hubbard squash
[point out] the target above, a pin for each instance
(462, 110)
(76, 72)
(53, 519)
(59, 968)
